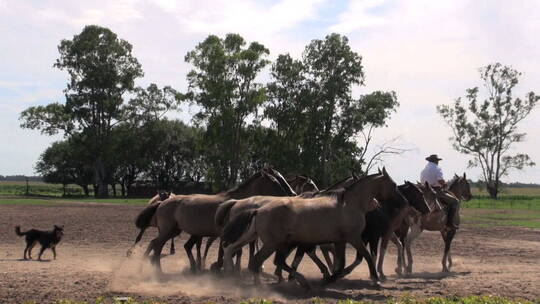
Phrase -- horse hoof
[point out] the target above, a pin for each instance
(376, 284)
(215, 268)
(382, 277)
(398, 271)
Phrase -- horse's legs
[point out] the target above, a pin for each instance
(414, 232)
(216, 266)
(399, 246)
(448, 237)
(157, 245)
(188, 246)
(198, 248)
(255, 266)
(281, 262)
(237, 265)
(319, 263)
(298, 256)
(384, 245)
(339, 262)
(361, 248)
(209, 243)
(172, 250)
(326, 249)
(252, 249)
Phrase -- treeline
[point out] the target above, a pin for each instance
(304, 119)
(20, 178)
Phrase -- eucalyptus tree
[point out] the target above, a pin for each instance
(102, 70)
(223, 84)
(485, 126)
(314, 114)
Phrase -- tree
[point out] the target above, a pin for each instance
(314, 114)
(486, 130)
(65, 162)
(102, 69)
(223, 84)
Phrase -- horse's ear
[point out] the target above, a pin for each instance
(456, 176)
(384, 172)
(379, 169)
(427, 185)
(464, 175)
(354, 175)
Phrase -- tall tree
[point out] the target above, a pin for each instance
(486, 130)
(314, 113)
(102, 69)
(223, 83)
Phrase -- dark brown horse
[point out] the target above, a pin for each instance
(195, 213)
(285, 222)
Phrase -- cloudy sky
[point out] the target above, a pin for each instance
(427, 51)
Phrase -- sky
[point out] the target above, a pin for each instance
(428, 52)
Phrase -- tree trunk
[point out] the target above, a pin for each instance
(493, 191)
(123, 189)
(99, 176)
(85, 190)
(113, 186)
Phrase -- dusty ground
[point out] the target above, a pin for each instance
(91, 262)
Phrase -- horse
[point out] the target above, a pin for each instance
(230, 209)
(435, 221)
(284, 222)
(195, 213)
(161, 195)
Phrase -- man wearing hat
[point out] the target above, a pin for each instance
(432, 174)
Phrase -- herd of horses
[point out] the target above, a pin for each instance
(285, 214)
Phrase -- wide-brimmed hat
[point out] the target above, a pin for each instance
(433, 157)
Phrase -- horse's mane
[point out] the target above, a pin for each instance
(453, 181)
(281, 180)
(335, 185)
(363, 178)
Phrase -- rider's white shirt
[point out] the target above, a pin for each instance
(431, 174)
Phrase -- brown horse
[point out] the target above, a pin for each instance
(195, 213)
(382, 222)
(285, 222)
(232, 208)
(159, 197)
(435, 221)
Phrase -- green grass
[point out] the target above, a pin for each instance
(501, 217)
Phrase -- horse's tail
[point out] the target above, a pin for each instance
(145, 216)
(236, 227)
(222, 212)
(18, 231)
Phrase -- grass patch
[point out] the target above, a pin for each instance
(501, 217)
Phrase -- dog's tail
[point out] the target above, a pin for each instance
(18, 231)
(237, 226)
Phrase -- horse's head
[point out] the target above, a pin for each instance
(461, 188)
(379, 185)
(415, 197)
(163, 195)
(388, 189)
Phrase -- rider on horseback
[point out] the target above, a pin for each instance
(432, 174)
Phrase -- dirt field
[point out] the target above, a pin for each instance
(91, 262)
